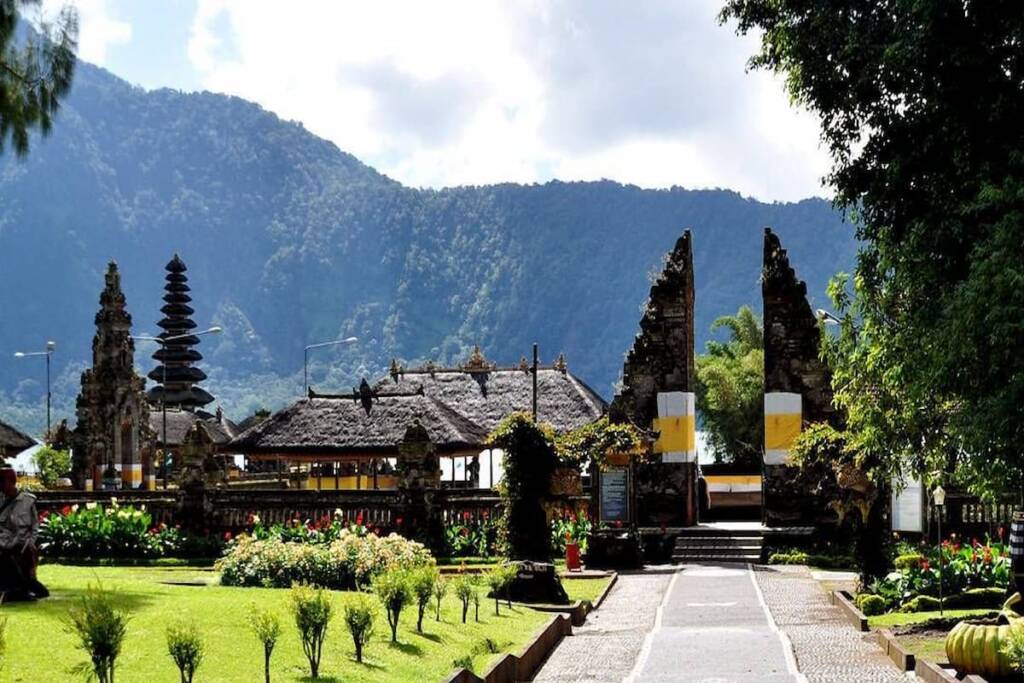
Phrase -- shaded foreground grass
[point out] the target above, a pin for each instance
(40, 649)
(584, 589)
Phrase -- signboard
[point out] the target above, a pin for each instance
(614, 495)
(908, 507)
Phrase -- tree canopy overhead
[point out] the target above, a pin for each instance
(921, 104)
(35, 72)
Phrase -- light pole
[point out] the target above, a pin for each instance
(305, 358)
(51, 346)
(939, 499)
(827, 317)
(163, 341)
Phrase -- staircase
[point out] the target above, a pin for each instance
(718, 543)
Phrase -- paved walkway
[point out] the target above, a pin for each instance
(718, 624)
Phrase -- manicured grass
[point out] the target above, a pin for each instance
(39, 648)
(928, 648)
(585, 589)
(900, 618)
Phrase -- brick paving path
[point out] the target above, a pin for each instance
(827, 648)
(605, 648)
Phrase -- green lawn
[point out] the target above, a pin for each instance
(901, 618)
(39, 649)
(585, 589)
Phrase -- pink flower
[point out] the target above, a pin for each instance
(227, 536)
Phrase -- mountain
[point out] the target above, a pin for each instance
(290, 241)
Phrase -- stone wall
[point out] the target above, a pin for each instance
(797, 385)
(658, 382)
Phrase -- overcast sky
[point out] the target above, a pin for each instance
(451, 93)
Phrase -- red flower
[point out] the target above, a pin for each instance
(618, 524)
(359, 519)
(974, 542)
(999, 532)
(227, 536)
(43, 515)
(398, 521)
(66, 510)
(925, 565)
(465, 514)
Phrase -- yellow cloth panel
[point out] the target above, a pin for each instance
(348, 483)
(780, 431)
(733, 478)
(676, 433)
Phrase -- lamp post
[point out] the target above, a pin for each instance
(305, 358)
(163, 342)
(51, 346)
(827, 317)
(939, 499)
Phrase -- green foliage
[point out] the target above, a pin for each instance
(1013, 648)
(908, 561)
(360, 614)
(870, 605)
(393, 590)
(730, 390)
(530, 458)
(497, 579)
(920, 105)
(347, 562)
(570, 527)
(52, 465)
(422, 582)
(464, 587)
(100, 629)
(185, 646)
(3, 641)
(266, 626)
(920, 603)
(591, 443)
(312, 611)
(471, 537)
(823, 561)
(35, 75)
(440, 590)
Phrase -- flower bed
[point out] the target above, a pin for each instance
(471, 537)
(347, 560)
(95, 531)
(971, 575)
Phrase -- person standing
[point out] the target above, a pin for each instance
(19, 527)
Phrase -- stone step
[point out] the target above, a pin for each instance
(693, 559)
(717, 548)
(719, 542)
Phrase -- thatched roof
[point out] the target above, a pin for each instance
(487, 394)
(360, 422)
(179, 422)
(13, 440)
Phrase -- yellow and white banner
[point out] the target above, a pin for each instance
(131, 475)
(676, 426)
(783, 416)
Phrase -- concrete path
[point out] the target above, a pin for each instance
(713, 627)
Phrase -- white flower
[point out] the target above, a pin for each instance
(74, 508)
(113, 501)
(90, 505)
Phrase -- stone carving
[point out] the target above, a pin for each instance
(113, 417)
(477, 362)
(419, 485)
(200, 470)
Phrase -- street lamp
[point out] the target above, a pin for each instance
(939, 499)
(305, 358)
(163, 341)
(827, 317)
(51, 346)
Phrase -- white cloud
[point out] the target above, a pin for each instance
(476, 91)
(98, 28)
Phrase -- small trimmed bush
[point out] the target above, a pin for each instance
(908, 561)
(463, 587)
(977, 598)
(440, 590)
(870, 605)
(185, 646)
(421, 582)
(496, 579)
(312, 610)
(921, 603)
(100, 629)
(267, 628)
(360, 613)
(392, 587)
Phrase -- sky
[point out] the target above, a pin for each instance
(443, 93)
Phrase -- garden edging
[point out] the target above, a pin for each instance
(904, 660)
(844, 602)
(937, 673)
(522, 666)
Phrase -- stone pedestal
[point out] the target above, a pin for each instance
(537, 582)
(614, 549)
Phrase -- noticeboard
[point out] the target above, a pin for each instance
(614, 495)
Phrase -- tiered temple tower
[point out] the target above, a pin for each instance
(178, 388)
(113, 417)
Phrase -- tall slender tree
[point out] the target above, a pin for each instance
(36, 68)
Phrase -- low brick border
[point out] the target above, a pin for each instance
(929, 672)
(844, 601)
(904, 660)
(523, 665)
(579, 610)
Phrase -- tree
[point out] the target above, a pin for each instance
(730, 389)
(920, 105)
(35, 73)
(52, 465)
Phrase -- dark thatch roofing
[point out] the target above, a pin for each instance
(487, 396)
(357, 423)
(180, 421)
(14, 440)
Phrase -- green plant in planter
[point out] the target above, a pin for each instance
(100, 629)
(392, 587)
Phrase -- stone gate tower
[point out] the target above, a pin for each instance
(657, 396)
(113, 415)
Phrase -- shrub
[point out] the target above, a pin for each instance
(392, 587)
(1013, 648)
(100, 629)
(977, 598)
(464, 589)
(185, 646)
(792, 557)
(52, 465)
(345, 563)
(496, 579)
(312, 610)
(421, 582)
(922, 603)
(570, 528)
(267, 628)
(440, 590)
(360, 613)
(908, 561)
(471, 537)
(870, 605)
